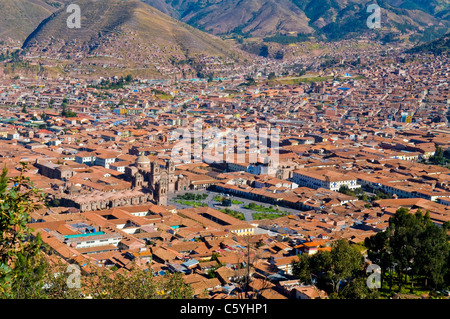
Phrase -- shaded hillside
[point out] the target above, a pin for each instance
(439, 46)
(327, 19)
(254, 17)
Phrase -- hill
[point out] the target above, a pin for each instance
(324, 19)
(117, 34)
(253, 17)
(20, 17)
(438, 46)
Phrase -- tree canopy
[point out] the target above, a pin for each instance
(412, 246)
(331, 270)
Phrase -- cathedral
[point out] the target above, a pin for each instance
(160, 180)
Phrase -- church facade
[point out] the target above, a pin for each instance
(160, 180)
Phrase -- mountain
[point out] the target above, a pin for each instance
(19, 18)
(438, 8)
(438, 46)
(323, 19)
(335, 19)
(255, 17)
(327, 19)
(126, 35)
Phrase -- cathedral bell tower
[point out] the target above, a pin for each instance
(162, 191)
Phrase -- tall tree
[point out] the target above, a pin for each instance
(438, 157)
(346, 261)
(357, 289)
(379, 252)
(302, 269)
(433, 254)
(330, 268)
(414, 245)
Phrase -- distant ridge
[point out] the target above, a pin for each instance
(438, 46)
(323, 19)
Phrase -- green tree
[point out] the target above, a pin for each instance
(128, 78)
(433, 254)
(55, 202)
(250, 81)
(56, 287)
(301, 72)
(264, 51)
(346, 261)
(330, 268)
(137, 283)
(404, 231)
(22, 266)
(67, 113)
(438, 157)
(415, 245)
(357, 289)
(347, 191)
(174, 287)
(379, 252)
(302, 269)
(251, 205)
(279, 55)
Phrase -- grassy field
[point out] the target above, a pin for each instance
(192, 203)
(258, 216)
(194, 200)
(233, 213)
(263, 212)
(261, 208)
(221, 199)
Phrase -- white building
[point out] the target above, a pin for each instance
(93, 240)
(105, 160)
(327, 179)
(85, 158)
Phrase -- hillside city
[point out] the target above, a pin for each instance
(362, 131)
